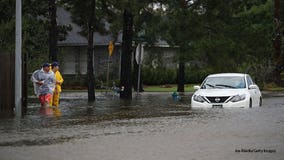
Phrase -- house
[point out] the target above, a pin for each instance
(73, 52)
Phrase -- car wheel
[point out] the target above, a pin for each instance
(250, 103)
(260, 101)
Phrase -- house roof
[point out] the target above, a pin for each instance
(73, 38)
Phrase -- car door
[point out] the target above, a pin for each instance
(252, 92)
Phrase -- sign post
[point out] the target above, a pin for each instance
(110, 51)
(139, 59)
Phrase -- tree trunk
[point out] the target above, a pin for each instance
(277, 44)
(126, 77)
(180, 77)
(52, 31)
(90, 68)
(181, 72)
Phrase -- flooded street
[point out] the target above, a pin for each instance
(151, 127)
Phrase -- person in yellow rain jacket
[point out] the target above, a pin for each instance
(57, 89)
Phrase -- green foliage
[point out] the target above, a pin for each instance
(34, 30)
(35, 42)
(7, 25)
(152, 76)
(161, 75)
(181, 26)
(34, 33)
(6, 40)
(195, 74)
(81, 13)
(256, 30)
(145, 18)
(7, 10)
(214, 51)
(238, 36)
(220, 36)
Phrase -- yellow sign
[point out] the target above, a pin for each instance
(110, 48)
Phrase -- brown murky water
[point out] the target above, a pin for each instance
(150, 127)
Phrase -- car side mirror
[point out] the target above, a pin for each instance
(253, 86)
(196, 87)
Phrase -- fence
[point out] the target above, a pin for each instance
(7, 91)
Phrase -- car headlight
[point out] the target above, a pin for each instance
(238, 98)
(198, 98)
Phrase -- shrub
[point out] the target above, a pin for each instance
(195, 75)
(158, 76)
(168, 76)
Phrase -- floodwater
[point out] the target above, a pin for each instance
(153, 126)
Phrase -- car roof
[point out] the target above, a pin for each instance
(227, 75)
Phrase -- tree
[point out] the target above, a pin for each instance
(255, 35)
(277, 44)
(89, 16)
(181, 27)
(138, 16)
(7, 25)
(33, 37)
(236, 36)
(34, 31)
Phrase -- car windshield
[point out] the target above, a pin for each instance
(224, 83)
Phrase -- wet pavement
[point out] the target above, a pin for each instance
(153, 126)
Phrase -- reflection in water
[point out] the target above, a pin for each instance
(37, 129)
(56, 112)
(69, 120)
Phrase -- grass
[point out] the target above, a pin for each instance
(272, 87)
(171, 88)
(167, 88)
(279, 89)
(147, 88)
(276, 89)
